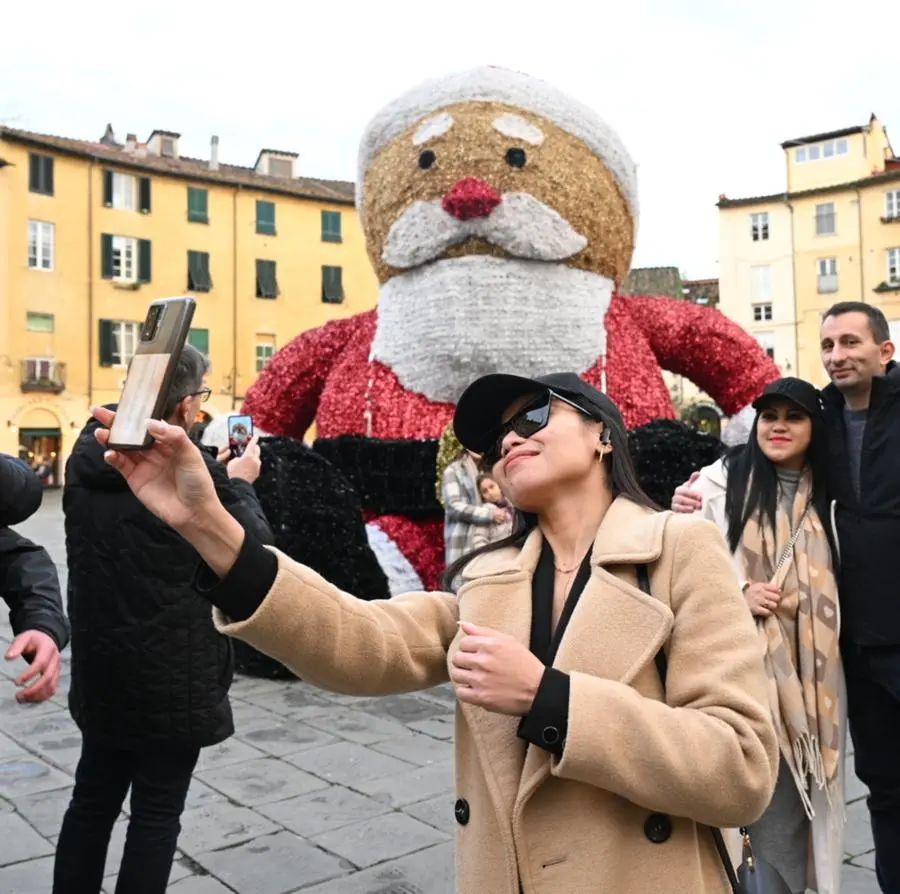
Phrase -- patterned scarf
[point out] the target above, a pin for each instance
(800, 639)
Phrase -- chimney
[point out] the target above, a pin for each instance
(214, 154)
(130, 143)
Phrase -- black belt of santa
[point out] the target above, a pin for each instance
(392, 477)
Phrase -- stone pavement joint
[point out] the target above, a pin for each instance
(317, 792)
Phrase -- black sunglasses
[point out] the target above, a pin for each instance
(527, 422)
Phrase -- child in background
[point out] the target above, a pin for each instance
(490, 492)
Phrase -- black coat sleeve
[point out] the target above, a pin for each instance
(30, 586)
(21, 491)
(547, 723)
(241, 501)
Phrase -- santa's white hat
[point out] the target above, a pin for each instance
(491, 84)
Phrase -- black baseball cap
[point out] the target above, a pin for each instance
(479, 411)
(797, 391)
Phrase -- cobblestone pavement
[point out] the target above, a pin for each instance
(318, 793)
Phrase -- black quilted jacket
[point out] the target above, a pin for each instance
(147, 664)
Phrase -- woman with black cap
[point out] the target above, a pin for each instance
(581, 765)
(768, 498)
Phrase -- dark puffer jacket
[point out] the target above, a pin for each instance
(147, 664)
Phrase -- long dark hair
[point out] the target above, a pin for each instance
(751, 489)
(622, 478)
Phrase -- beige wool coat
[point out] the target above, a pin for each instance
(619, 812)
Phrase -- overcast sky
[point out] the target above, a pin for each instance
(701, 91)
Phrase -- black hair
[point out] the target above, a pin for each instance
(878, 323)
(622, 479)
(751, 489)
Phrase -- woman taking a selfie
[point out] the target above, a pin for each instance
(576, 769)
(768, 498)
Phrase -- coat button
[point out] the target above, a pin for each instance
(461, 811)
(550, 735)
(658, 828)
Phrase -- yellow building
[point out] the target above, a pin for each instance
(91, 232)
(834, 235)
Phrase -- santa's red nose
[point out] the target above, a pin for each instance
(470, 198)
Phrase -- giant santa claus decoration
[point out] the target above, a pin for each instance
(500, 217)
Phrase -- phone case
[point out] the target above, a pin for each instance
(150, 372)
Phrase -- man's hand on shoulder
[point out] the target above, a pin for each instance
(41, 679)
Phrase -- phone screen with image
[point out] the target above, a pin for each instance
(240, 431)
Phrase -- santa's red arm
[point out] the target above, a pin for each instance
(706, 347)
(285, 397)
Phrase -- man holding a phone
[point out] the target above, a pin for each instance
(150, 675)
(30, 587)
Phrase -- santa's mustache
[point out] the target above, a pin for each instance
(521, 225)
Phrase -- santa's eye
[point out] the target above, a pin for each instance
(516, 157)
(427, 159)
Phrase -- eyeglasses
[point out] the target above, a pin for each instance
(527, 422)
(204, 394)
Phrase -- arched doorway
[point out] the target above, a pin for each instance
(40, 444)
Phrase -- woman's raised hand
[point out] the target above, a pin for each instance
(170, 478)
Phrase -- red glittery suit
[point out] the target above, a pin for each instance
(323, 375)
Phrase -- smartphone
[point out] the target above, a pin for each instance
(240, 430)
(150, 372)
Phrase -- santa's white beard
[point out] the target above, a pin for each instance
(444, 325)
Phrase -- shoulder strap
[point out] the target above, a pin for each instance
(662, 666)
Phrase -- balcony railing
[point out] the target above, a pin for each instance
(43, 375)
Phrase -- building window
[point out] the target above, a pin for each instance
(266, 280)
(198, 205)
(265, 349)
(125, 192)
(762, 313)
(892, 204)
(199, 338)
(766, 340)
(265, 217)
(332, 285)
(40, 371)
(827, 278)
(125, 259)
(759, 226)
(818, 151)
(760, 283)
(331, 226)
(40, 245)
(825, 219)
(40, 174)
(893, 256)
(281, 167)
(118, 342)
(35, 322)
(199, 279)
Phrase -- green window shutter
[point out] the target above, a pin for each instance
(144, 260)
(199, 279)
(48, 163)
(106, 343)
(198, 205)
(266, 280)
(144, 191)
(34, 173)
(332, 285)
(106, 256)
(199, 338)
(331, 226)
(107, 188)
(265, 217)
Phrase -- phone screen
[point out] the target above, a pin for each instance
(240, 431)
(142, 386)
